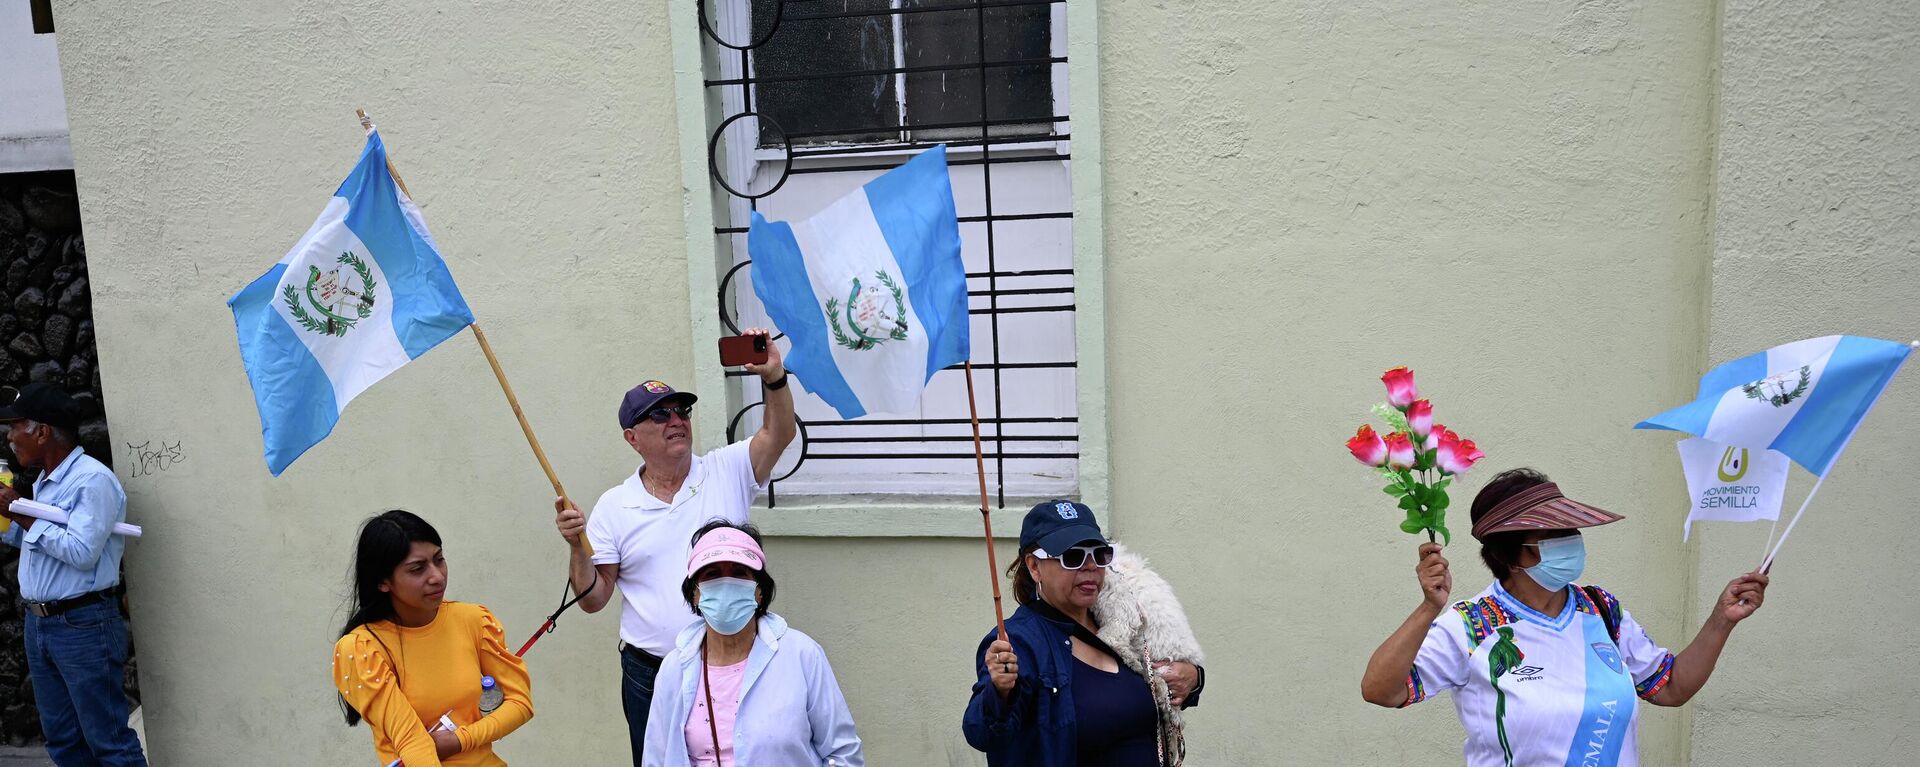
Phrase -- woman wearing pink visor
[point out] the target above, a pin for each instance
(1542, 671)
(739, 686)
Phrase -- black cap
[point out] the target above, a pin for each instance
(1056, 525)
(44, 403)
(644, 397)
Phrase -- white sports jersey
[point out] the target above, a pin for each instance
(1570, 698)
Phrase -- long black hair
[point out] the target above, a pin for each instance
(385, 540)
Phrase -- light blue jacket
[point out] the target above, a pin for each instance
(791, 710)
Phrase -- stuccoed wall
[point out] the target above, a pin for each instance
(209, 135)
(1815, 233)
(1514, 201)
(1510, 198)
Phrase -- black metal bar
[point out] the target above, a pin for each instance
(999, 310)
(951, 163)
(966, 220)
(905, 11)
(1020, 292)
(982, 66)
(1017, 217)
(843, 151)
(953, 438)
(968, 456)
(993, 284)
(929, 126)
(981, 366)
(1026, 273)
(1016, 366)
(940, 421)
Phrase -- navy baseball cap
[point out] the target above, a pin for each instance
(41, 402)
(1056, 525)
(645, 397)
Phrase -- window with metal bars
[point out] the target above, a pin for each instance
(821, 96)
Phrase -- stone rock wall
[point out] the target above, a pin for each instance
(46, 334)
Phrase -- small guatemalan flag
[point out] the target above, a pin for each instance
(871, 291)
(361, 294)
(1803, 399)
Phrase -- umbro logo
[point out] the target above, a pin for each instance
(1528, 670)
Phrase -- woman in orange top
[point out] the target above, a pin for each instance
(414, 665)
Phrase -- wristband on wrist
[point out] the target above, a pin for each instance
(781, 383)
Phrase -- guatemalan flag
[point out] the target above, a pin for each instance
(362, 293)
(1803, 399)
(871, 290)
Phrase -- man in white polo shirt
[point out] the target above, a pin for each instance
(642, 529)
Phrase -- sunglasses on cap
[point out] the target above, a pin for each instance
(1076, 557)
(665, 414)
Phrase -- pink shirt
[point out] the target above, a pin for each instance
(726, 702)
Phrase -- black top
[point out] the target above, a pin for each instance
(1117, 720)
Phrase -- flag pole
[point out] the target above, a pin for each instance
(499, 374)
(1767, 564)
(986, 517)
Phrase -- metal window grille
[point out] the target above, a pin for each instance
(774, 69)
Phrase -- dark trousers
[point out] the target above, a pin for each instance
(78, 660)
(637, 670)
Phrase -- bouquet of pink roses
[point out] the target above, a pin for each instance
(1418, 457)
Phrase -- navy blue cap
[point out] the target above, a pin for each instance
(41, 402)
(644, 397)
(1056, 525)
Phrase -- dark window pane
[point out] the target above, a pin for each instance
(952, 38)
(861, 108)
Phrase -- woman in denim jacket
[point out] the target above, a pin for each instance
(1096, 662)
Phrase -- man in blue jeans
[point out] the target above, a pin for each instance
(70, 578)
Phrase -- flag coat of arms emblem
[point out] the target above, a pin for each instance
(1802, 399)
(871, 290)
(362, 293)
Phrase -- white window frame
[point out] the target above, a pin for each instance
(699, 110)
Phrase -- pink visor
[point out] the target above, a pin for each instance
(725, 544)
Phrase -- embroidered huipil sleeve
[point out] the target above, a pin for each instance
(98, 506)
(1650, 664)
(834, 740)
(509, 672)
(1441, 663)
(364, 677)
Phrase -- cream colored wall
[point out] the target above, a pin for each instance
(1510, 198)
(211, 135)
(1814, 233)
(1513, 200)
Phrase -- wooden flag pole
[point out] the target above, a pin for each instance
(986, 518)
(500, 374)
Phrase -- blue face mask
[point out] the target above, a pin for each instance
(1561, 561)
(728, 603)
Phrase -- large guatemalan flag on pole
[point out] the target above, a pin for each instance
(871, 290)
(361, 294)
(1803, 399)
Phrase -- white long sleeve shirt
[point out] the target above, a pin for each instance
(791, 710)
